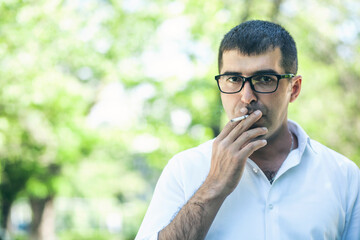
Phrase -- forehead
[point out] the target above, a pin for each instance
(235, 61)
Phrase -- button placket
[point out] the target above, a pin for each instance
(271, 208)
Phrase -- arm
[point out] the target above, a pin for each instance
(352, 228)
(230, 151)
(195, 218)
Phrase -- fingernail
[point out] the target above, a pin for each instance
(264, 141)
(265, 128)
(257, 112)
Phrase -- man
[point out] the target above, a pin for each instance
(262, 177)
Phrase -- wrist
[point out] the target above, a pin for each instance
(212, 190)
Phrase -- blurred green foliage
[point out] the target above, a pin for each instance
(60, 59)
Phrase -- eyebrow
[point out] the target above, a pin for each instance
(266, 71)
(263, 71)
(231, 73)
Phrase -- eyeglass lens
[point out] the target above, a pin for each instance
(261, 83)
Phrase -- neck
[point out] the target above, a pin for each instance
(275, 152)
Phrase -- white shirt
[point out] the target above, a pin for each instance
(315, 195)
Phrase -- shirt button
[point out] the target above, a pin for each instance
(271, 206)
(255, 170)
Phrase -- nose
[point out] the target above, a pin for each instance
(247, 94)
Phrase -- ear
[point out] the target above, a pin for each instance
(295, 87)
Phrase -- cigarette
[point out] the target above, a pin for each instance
(239, 118)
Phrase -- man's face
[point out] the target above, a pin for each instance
(272, 105)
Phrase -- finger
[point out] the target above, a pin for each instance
(251, 147)
(227, 129)
(248, 136)
(231, 125)
(243, 114)
(243, 126)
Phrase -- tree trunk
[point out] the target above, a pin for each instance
(5, 213)
(43, 219)
(13, 181)
(5, 218)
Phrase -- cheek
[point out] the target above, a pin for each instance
(229, 102)
(278, 108)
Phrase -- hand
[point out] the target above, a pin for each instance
(230, 151)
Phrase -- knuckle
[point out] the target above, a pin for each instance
(239, 155)
(216, 142)
(223, 144)
(250, 147)
(258, 131)
(253, 144)
(246, 134)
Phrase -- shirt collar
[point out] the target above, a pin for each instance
(295, 156)
(303, 138)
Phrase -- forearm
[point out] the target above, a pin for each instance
(230, 151)
(196, 216)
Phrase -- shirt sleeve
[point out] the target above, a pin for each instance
(167, 200)
(352, 224)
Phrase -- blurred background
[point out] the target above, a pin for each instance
(97, 95)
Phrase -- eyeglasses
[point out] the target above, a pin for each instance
(261, 83)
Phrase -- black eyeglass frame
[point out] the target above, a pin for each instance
(245, 79)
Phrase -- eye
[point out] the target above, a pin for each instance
(264, 79)
(233, 79)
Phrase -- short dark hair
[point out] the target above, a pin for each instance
(256, 37)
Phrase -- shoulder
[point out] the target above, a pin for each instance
(197, 155)
(322, 157)
(334, 160)
(192, 162)
(189, 168)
